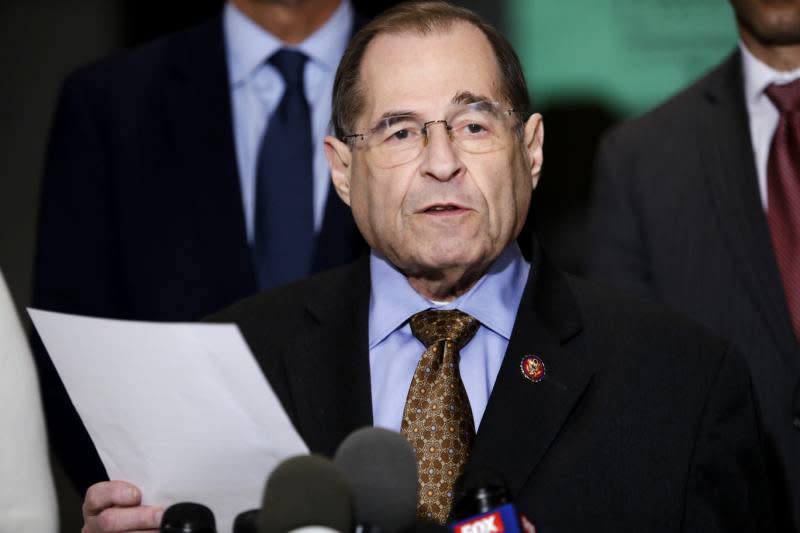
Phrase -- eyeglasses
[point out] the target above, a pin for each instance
(475, 128)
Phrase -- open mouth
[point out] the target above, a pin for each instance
(443, 209)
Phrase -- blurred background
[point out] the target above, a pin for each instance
(589, 64)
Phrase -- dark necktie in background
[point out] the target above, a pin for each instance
(783, 193)
(284, 218)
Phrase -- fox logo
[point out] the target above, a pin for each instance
(488, 524)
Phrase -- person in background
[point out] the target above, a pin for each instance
(27, 493)
(697, 204)
(601, 412)
(187, 174)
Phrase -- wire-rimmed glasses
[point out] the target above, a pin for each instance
(476, 128)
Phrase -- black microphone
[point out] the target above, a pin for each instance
(307, 491)
(381, 467)
(246, 522)
(187, 517)
(483, 503)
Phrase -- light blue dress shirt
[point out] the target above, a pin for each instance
(394, 351)
(257, 88)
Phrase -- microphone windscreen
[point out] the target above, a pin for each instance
(381, 467)
(477, 490)
(188, 517)
(307, 490)
(246, 522)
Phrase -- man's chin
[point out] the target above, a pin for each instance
(447, 260)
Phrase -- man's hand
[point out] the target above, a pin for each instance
(112, 506)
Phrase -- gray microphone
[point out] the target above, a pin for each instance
(306, 492)
(381, 467)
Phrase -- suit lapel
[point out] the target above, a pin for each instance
(547, 318)
(330, 366)
(733, 179)
(329, 369)
(200, 135)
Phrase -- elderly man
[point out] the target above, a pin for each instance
(599, 411)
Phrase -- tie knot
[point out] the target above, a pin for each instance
(785, 97)
(290, 63)
(436, 325)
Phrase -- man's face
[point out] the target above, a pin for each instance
(447, 208)
(770, 22)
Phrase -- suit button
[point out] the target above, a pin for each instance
(796, 422)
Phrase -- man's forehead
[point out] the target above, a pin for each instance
(423, 72)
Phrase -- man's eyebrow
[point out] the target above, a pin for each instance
(461, 98)
(394, 114)
(466, 97)
(386, 118)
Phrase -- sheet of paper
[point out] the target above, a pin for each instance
(183, 411)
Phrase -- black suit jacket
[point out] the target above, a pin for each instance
(678, 217)
(141, 214)
(644, 421)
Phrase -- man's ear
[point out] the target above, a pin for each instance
(534, 140)
(339, 161)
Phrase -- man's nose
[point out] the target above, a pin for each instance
(440, 159)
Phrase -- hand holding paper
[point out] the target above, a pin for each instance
(112, 506)
(182, 411)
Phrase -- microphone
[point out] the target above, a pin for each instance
(307, 491)
(187, 517)
(246, 522)
(381, 467)
(483, 504)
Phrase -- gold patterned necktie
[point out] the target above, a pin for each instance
(437, 419)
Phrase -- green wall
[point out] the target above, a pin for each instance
(626, 55)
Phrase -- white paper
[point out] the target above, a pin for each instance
(183, 411)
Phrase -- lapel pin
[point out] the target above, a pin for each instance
(532, 368)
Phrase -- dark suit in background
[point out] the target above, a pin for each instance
(624, 434)
(141, 214)
(678, 217)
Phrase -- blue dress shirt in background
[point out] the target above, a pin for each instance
(257, 88)
(394, 351)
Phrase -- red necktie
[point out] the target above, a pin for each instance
(783, 196)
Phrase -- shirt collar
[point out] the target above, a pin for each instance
(758, 75)
(248, 44)
(327, 45)
(493, 300)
